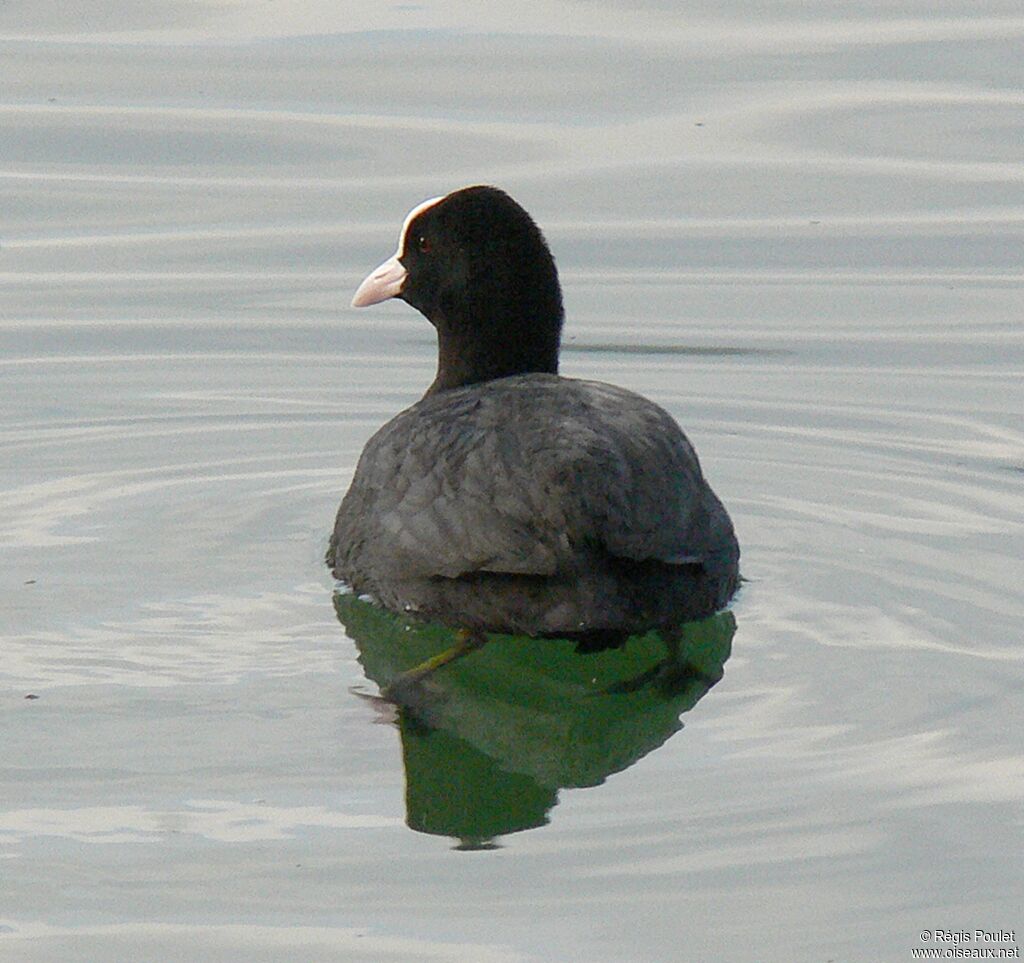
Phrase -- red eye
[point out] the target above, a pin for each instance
(423, 244)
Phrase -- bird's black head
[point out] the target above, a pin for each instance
(478, 268)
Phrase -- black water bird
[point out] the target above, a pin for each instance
(508, 498)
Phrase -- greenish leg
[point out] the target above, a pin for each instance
(466, 641)
(670, 675)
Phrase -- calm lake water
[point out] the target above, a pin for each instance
(800, 228)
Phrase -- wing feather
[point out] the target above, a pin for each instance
(528, 479)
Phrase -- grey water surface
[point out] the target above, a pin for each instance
(799, 227)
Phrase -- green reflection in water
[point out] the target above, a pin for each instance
(491, 738)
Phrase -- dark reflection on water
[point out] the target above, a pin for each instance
(723, 351)
(687, 350)
(490, 739)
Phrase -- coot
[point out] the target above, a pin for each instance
(510, 499)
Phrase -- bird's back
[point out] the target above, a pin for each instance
(536, 504)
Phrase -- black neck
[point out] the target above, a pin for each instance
(464, 358)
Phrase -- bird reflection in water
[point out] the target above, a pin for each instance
(489, 739)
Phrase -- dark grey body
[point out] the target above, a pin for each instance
(540, 505)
